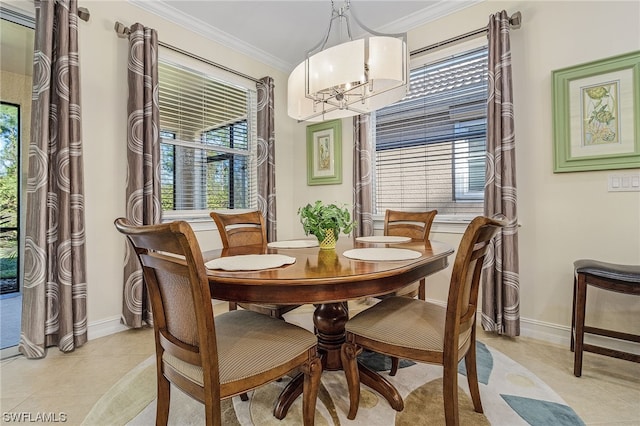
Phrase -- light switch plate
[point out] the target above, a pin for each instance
(624, 182)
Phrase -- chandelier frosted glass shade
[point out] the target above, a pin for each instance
(351, 78)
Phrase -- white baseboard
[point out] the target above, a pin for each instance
(545, 331)
(561, 335)
(105, 327)
(531, 328)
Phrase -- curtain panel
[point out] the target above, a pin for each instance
(54, 308)
(501, 282)
(266, 156)
(143, 163)
(362, 177)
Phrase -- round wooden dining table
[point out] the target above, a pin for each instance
(327, 279)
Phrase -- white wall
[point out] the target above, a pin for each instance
(565, 216)
(103, 59)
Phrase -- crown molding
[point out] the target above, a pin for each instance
(170, 13)
(162, 9)
(428, 14)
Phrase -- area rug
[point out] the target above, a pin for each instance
(511, 395)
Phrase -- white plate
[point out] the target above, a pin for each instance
(381, 254)
(293, 244)
(383, 239)
(250, 262)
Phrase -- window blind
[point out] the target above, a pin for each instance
(208, 141)
(431, 145)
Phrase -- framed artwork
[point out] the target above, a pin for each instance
(324, 153)
(596, 115)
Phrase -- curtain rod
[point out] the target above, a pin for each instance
(24, 18)
(515, 20)
(123, 31)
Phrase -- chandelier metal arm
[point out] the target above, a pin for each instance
(332, 109)
(335, 14)
(352, 77)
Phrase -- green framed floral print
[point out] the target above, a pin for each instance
(324, 153)
(596, 115)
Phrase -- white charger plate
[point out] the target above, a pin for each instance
(293, 244)
(250, 262)
(381, 254)
(384, 239)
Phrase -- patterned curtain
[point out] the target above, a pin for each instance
(266, 156)
(143, 158)
(54, 308)
(501, 282)
(362, 177)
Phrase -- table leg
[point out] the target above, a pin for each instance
(288, 396)
(367, 376)
(329, 320)
(381, 385)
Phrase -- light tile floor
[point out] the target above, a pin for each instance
(608, 393)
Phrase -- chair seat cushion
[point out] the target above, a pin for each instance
(625, 273)
(404, 322)
(249, 343)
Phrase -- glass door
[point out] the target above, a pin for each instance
(16, 67)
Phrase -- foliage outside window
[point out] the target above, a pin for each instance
(431, 145)
(208, 142)
(9, 172)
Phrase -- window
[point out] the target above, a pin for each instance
(208, 142)
(10, 139)
(431, 145)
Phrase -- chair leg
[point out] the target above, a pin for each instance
(395, 363)
(573, 316)
(581, 301)
(348, 354)
(244, 397)
(422, 291)
(164, 398)
(450, 393)
(233, 306)
(212, 412)
(472, 374)
(311, 384)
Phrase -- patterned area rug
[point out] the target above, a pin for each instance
(511, 395)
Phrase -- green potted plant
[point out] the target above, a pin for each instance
(325, 221)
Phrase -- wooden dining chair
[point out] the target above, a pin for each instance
(242, 229)
(425, 332)
(415, 225)
(211, 358)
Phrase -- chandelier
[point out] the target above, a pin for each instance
(350, 78)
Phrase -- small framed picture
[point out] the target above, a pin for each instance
(324, 153)
(596, 115)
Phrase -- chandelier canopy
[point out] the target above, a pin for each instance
(354, 77)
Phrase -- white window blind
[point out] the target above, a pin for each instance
(431, 145)
(208, 141)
